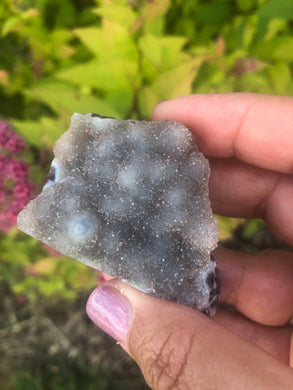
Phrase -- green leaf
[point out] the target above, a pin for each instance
(60, 36)
(244, 30)
(154, 27)
(147, 100)
(175, 43)
(44, 132)
(87, 74)
(9, 24)
(151, 49)
(60, 96)
(213, 13)
(279, 49)
(162, 52)
(119, 14)
(118, 43)
(148, 72)
(116, 78)
(92, 38)
(254, 82)
(274, 27)
(107, 47)
(13, 21)
(177, 81)
(246, 5)
(280, 77)
(108, 42)
(155, 9)
(172, 52)
(282, 9)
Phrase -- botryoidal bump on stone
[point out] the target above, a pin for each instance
(130, 198)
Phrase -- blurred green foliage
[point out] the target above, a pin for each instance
(118, 58)
(31, 271)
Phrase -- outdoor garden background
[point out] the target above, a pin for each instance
(116, 58)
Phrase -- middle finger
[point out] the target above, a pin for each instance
(241, 190)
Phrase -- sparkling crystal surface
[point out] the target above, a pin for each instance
(130, 198)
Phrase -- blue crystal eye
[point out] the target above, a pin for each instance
(82, 228)
(53, 175)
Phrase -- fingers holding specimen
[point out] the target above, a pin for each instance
(254, 128)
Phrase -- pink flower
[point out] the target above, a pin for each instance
(15, 144)
(2, 194)
(9, 139)
(23, 190)
(3, 133)
(16, 169)
(3, 162)
(16, 189)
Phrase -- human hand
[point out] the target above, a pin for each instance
(248, 139)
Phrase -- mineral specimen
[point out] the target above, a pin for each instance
(130, 198)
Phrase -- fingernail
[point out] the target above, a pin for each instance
(110, 311)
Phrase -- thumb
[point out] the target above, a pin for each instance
(179, 348)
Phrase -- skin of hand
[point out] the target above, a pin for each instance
(248, 139)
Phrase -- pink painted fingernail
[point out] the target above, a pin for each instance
(110, 311)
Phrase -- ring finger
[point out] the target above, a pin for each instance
(258, 285)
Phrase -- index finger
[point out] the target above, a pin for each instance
(257, 129)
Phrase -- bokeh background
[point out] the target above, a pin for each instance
(115, 58)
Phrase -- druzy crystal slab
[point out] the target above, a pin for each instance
(130, 198)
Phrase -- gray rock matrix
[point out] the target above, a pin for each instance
(130, 198)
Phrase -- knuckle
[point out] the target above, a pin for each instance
(165, 357)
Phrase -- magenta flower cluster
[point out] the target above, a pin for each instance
(16, 189)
